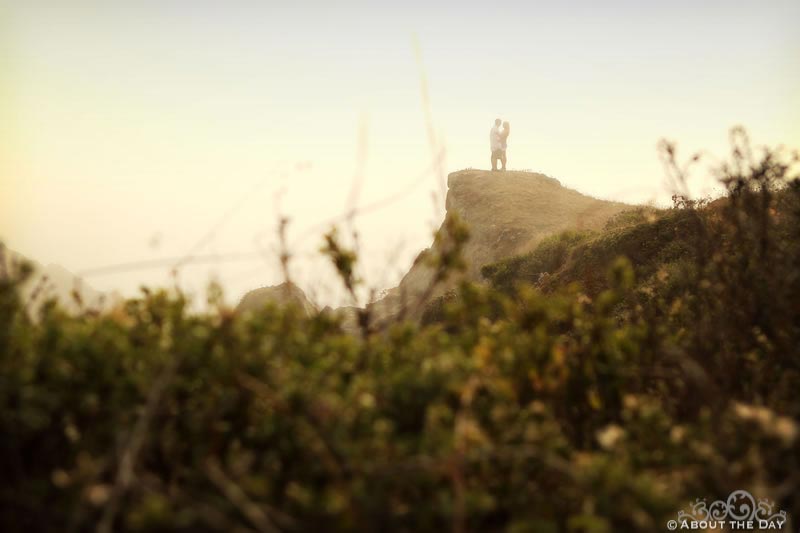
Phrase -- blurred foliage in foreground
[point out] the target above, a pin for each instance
(600, 383)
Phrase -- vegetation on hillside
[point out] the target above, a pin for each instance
(656, 362)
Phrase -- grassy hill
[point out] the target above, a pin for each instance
(506, 213)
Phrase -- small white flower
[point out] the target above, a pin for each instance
(609, 435)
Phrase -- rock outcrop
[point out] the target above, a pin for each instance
(508, 213)
(283, 294)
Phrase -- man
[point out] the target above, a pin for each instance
(495, 143)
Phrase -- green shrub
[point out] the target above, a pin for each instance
(583, 408)
(547, 257)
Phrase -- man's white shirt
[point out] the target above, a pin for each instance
(494, 139)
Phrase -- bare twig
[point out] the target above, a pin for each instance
(431, 130)
(234, 493)
(125, 470)
(226, 216)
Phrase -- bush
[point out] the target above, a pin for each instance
(568, 410)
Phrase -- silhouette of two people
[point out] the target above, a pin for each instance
(498, 141)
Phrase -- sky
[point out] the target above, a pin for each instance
(143, 133)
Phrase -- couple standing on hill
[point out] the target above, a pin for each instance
(498, 141)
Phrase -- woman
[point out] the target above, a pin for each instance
(504, 143)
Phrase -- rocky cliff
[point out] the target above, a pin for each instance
(507, 213)
(283, 294)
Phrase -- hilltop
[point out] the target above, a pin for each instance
(283, 294)
(507, 214)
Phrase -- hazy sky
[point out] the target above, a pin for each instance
(130, 130)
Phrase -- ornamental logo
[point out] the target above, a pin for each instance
(738, 512)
